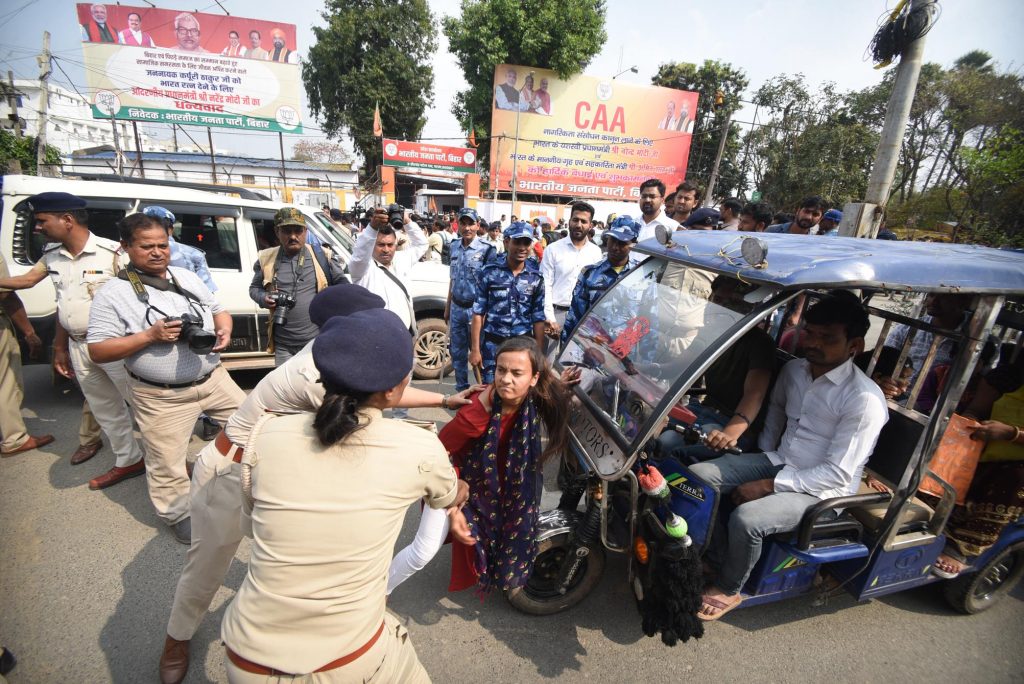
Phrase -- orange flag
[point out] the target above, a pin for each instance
(472, 136)
(378, 130)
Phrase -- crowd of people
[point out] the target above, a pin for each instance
(296, 463)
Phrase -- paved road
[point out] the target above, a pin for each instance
(87, 578)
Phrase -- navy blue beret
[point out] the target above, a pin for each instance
(705, 216)
(368, 351)
(55, 201)
(341, 300)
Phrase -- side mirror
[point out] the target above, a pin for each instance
(754, 251)
(663, 235)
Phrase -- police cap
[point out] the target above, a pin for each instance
(519, 229)
(54, 202)
(368, 351)
(289, 216)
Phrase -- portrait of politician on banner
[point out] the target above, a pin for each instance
(587, 136)
(171, 66)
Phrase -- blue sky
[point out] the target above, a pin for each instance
(823, 39)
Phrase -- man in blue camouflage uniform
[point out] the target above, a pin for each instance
(595, 279)
(510, 302)
(468, 256)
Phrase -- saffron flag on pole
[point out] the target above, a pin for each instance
(472, 136)
(378, 130)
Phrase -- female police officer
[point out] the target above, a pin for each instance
(328, 494)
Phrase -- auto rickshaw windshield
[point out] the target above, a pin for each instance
(634, 344)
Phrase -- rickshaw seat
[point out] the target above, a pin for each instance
(871, 516)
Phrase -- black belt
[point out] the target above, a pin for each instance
(172, 385)
(464, 305)
(560, 308)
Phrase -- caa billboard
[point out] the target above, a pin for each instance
(587, 137)
(167, 66)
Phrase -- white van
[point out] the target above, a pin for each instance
(230, 226)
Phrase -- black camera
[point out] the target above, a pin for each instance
(199, 340)
(283, 302)
(396, 216)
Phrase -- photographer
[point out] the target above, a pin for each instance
(383, 258)
(159, 319)
(285, 280)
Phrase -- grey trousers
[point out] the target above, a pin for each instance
(751, 522)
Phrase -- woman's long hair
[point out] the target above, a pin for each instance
(338, 416)
(549, 395)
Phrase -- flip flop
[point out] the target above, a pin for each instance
(946, 567)
(722, 607)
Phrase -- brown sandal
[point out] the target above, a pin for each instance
(720, 606)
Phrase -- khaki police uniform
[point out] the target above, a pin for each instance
(12, 426)
(324, 522)
(105, 385)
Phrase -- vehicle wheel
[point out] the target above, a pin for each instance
(539, 596)
(431, 349)
(979, 591)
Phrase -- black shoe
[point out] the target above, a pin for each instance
(208, 428)
(7, 662)
(183, 531)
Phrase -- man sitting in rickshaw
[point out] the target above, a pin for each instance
(823, 419)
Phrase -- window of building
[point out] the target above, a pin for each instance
(313, 182)
(248, 180)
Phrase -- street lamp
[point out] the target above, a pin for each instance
(515, 152)
(632, 68)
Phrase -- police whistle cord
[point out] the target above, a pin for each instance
(669, 606)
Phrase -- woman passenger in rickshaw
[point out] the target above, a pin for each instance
(736, 385)
(495, 443)
(996, 496)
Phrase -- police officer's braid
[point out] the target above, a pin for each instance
(338, 417)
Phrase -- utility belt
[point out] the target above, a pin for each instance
(257, 669)
(558, 307)
(497, 339)
(173, 385)
(228, 449)
(464, 305)
(77, 338)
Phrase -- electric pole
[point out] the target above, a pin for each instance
(12, 103)
(44, 76)
(718, 161)
(862, 219)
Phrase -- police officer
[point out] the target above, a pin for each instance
(295, 270)
(510, 302)
(79, 262)
(596, 278)
(140, 317)
(469, 254)
(216, 502)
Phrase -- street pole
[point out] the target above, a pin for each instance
(213, 159)
(44, 76)
(284, 172)
(718, 161)
(138, 150)
(118, 154)
(862, 219)
(12, 102)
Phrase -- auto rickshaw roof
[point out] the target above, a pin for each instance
(801, 261)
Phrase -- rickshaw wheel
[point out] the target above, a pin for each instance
(539, 596)
(979, 591)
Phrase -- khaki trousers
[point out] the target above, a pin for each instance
(12, 425)
(105, 386)
(166, 418)
(215, 502)
(391, 660)
(88, 429)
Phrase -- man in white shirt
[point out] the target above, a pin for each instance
(382, 268)
(652, 201)
(563, 261)
(822, 424)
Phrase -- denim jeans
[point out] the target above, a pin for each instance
(672, 444)
(751, 522)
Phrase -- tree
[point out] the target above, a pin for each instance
(561, 35)
(323, 151)
(709, 78)
(370, 52)
(23, 150)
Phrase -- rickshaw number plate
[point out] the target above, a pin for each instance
(603, 451)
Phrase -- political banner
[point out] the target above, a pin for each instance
(588, 136)
(425, 156)
(166, 66)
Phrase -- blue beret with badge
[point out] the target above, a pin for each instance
(53, 202)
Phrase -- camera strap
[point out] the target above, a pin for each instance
(139, 281)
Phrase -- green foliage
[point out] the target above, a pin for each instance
(371, 51)
(994, 188)
(561, 35)
(23, 150)
(707, 79)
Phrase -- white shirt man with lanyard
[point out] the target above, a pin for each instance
(174, 369)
